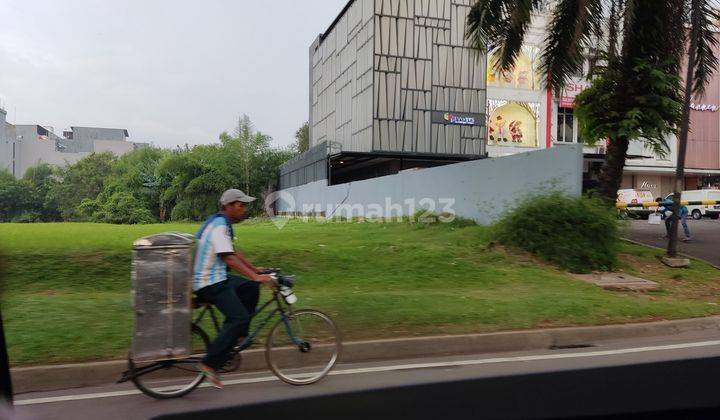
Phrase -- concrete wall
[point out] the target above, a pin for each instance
(97, 133)
(5, 144)
(34, 149)
(114, 146)
(481, 190)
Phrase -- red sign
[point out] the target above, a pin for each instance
(570, 91)
(567, 102)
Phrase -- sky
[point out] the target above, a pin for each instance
(170, 72)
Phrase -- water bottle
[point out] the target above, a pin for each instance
(288, 295)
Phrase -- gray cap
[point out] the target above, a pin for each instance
(233, 195)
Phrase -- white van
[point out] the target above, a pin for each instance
(697, 212)
(633, 196)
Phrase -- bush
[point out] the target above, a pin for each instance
(578, 234)
(122, 208)
(27, 217)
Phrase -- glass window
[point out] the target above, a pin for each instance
(565, 125)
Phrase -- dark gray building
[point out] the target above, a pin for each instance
(393, 85)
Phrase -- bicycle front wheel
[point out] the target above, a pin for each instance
(303, 347)
(171, 378)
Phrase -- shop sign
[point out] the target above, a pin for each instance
(648, 185)
(704, 107)
(570, 91)
(455, 118)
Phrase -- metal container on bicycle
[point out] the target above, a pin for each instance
(162, 271)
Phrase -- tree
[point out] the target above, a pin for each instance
(135, 173)
(192, 179)
(246, 143)
(12, 197)
(302, 138)
(636, 94)
(37, 183)
(701, 65)
(84, 179)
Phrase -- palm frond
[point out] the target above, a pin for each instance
(613, 21)
(501, 23)
(703, 19)
(570, 32)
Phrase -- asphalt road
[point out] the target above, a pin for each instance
(705, 244)
(124, 402)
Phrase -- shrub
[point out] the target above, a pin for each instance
(578, 234)
(27, 217)
(123, 208)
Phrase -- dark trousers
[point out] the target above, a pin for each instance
(237, 299)
(683, 221)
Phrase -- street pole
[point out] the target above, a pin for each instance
(6, 392)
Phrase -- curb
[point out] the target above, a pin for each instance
(54, 377)
(663, 249)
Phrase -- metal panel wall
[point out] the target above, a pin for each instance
(425, 70)
(341, 81)
(308, 167)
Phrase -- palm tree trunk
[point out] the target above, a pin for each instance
(612, 171)
(682, 142)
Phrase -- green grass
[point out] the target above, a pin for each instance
(66, 293)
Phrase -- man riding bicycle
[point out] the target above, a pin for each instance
(235, 296)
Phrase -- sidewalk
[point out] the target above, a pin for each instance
(53, 377)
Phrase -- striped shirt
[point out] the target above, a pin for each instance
(214, 240)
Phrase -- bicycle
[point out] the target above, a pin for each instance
(309, 349)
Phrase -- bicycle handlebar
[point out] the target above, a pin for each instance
(282, 280)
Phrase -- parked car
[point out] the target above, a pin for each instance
(697, 212)
(635, 196)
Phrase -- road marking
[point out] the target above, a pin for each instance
(410, 366)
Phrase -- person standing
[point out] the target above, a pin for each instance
(666, 207)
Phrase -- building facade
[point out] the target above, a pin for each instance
(517, 100)
(26, 145)
(393, 86)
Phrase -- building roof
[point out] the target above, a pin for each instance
(103, 128)
(337, 19)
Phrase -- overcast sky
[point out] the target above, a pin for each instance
(171, 72)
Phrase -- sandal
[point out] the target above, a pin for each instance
(211, 375)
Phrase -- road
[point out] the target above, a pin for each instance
(124, 402)
(705, 234)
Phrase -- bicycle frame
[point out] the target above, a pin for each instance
(250, 339)
(247, 341)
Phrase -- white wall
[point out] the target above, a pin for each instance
(114, 146)
(5, 144)
(482, 190)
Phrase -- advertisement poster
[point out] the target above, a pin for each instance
(512, 124)
(523, 76)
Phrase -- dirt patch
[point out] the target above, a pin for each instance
(679, 283)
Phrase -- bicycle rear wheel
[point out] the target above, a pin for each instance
(171, 378)
(303, 347)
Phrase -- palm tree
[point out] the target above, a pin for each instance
(636, 92)
(701, 65)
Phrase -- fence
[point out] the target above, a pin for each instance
(650, 204)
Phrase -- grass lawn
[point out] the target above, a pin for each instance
(67, 290)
